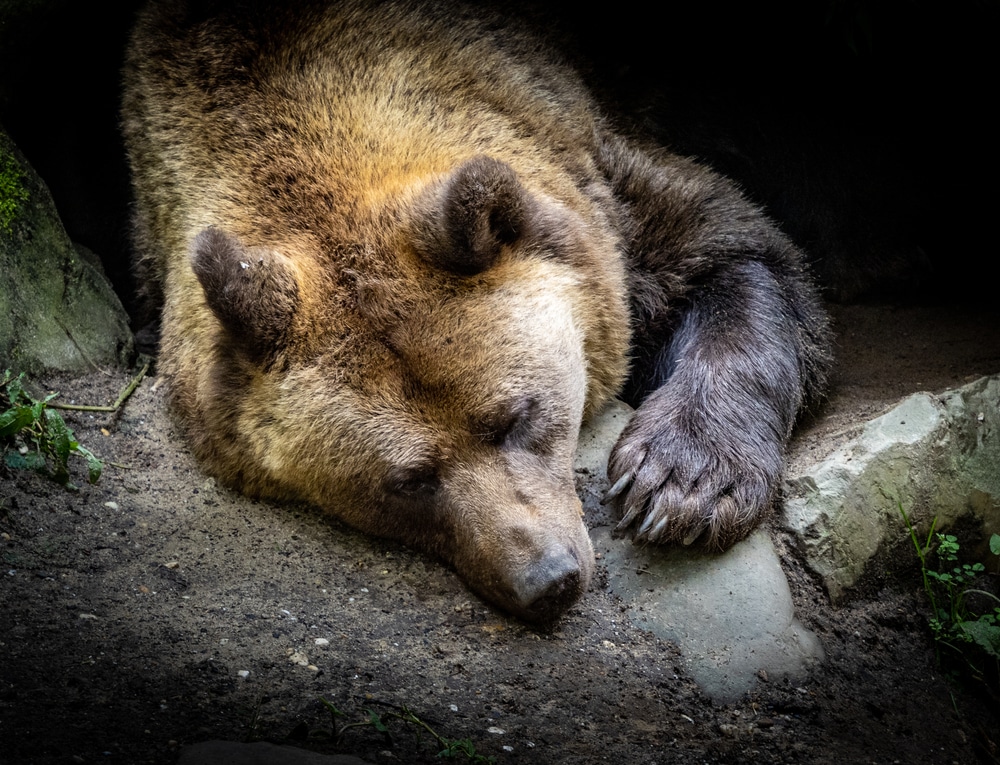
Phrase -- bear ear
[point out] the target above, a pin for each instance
(462, 223)
(251, 291)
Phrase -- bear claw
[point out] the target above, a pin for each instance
(678, 494)
(620, 485)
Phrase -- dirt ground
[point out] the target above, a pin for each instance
(157, 609)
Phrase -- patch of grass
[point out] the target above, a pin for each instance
(972, 634)
(450, 747)
(34, 436)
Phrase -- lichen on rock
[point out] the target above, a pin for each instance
(12, 191)
(57, 310)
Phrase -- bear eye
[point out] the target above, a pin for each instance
(421, 482)
(515, 426)
(497, 433)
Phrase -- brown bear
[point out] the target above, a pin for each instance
(401, 255)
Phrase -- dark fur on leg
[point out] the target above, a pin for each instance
(746, 345)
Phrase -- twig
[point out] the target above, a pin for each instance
(126, 392)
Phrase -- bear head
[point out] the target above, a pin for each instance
(425, 378)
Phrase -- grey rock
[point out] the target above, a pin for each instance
(936, 456)
(258, 753)
(57, 310)
(731, 615)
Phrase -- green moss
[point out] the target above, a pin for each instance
(12, 191)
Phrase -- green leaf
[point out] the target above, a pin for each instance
(94, 466)
(45, 429)
(15, 420)
(986, 636)
(331, 708)
(455, 747)
(376, 721)
(15, 389)
(995, 544)
(60, 436)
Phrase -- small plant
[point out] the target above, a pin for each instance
(952, 621)
(450, 747)
(33, 435)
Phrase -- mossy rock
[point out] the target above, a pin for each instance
(58, 312)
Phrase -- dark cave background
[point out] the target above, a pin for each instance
(865, 129)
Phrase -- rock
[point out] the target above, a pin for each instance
(731, 615)
(57, 310)
(937, 456)
(258, 753)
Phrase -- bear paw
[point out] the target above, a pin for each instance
(674, 486)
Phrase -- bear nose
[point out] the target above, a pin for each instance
(549, 586)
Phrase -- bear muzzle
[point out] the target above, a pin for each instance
(519, 539)
(543, 590)
(540, 578)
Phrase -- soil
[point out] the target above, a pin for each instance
(157, 609)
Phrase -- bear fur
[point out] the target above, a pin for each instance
(400, 255)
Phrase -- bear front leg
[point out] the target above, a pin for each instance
(702, 457)
(731, 340)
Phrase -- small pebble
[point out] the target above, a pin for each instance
(321, 641)
(111, 505)
(494, 729)
(244, 673)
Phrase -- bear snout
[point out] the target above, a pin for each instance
(548, 586)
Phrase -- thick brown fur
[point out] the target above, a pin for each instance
(401, 255)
